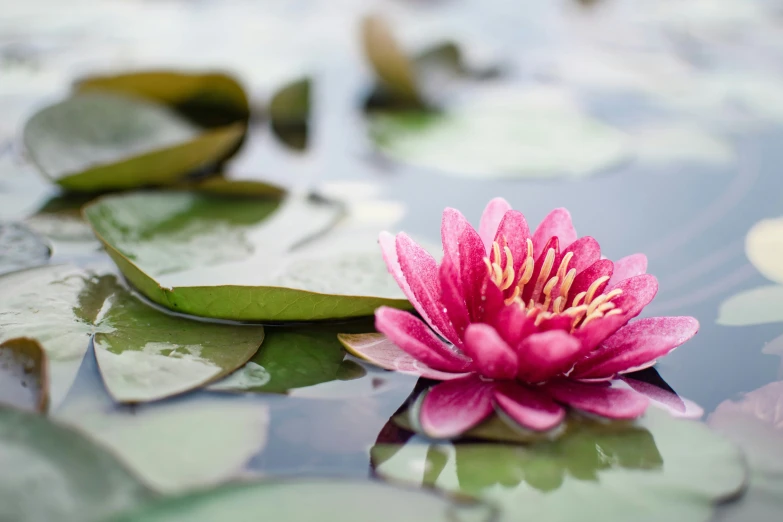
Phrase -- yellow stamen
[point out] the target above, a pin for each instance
(543, 276)
(508, 273)
(513, 297)
(578, 298)
(561, 272)
(594, 288)
(548, 293)
(557, 305)
(496, 252)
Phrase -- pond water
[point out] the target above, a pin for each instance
(689, 99)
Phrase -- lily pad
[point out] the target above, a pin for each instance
(312, 499)
(763, 304)
(292, 358)
(289, 112)
(207, 99)
(50, 472)
(20, 247)
(534, 133)
(144, 354)
(755, 423)
(24, 374)
(594, 471)
(60, 220)
(101, 141)
(244, 258)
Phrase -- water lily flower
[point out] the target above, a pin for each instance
(520, 323)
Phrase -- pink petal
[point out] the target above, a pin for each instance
(513, 325)
(421, 273)
(596, 331)
(583, 280)
(638, 291)
(556, 224)
(389, 250)
(379, 350)
(514, 233)
(529, 408)
(671, 402)
(546, 354)
(492, 357)
(629, 266)
(490, 220)
(451, 408)
(598, 399)
(490, 303)
(414, 337)
(636, 346)
(586, 251)
(452, 299)
(463, 247)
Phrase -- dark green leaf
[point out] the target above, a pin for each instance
(289, 112)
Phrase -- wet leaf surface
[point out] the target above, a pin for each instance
(332, 500)
(101, 141)
(24, 379)
(244, 258)
(50, 472)
(20, 248)
(595, 470)
(144, 354)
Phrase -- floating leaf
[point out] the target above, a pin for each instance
(244, 258)
(755, 423)
(50, 472)
(24, 380)
(311, 499)
(389, 61)
(144, 354)
(763, 304)
(289, 111)
(102, 141)
(594, 471)
(207, 99)
(538, 133)
(21, 248)
(60, 220)
(292, 358)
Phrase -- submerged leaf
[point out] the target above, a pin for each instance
(207, 99)
(50, 472)
(244, 258)
(101, 141)
(593, 471)
(293, 357)
(21, 248)
(24, 375)
(144, 354)
(312, 499)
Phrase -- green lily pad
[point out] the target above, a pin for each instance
(244, 258)
(312, 499)
(755, 423)
(289, 112)
(534, 133)
(144, 354)
(207, 99)
(24, 368)
(50, 472)
(293, 358)
(595, 471)
(100, 141)
(20, 247)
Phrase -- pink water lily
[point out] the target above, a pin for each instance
(519, 323)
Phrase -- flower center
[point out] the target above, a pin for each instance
(548, 293)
